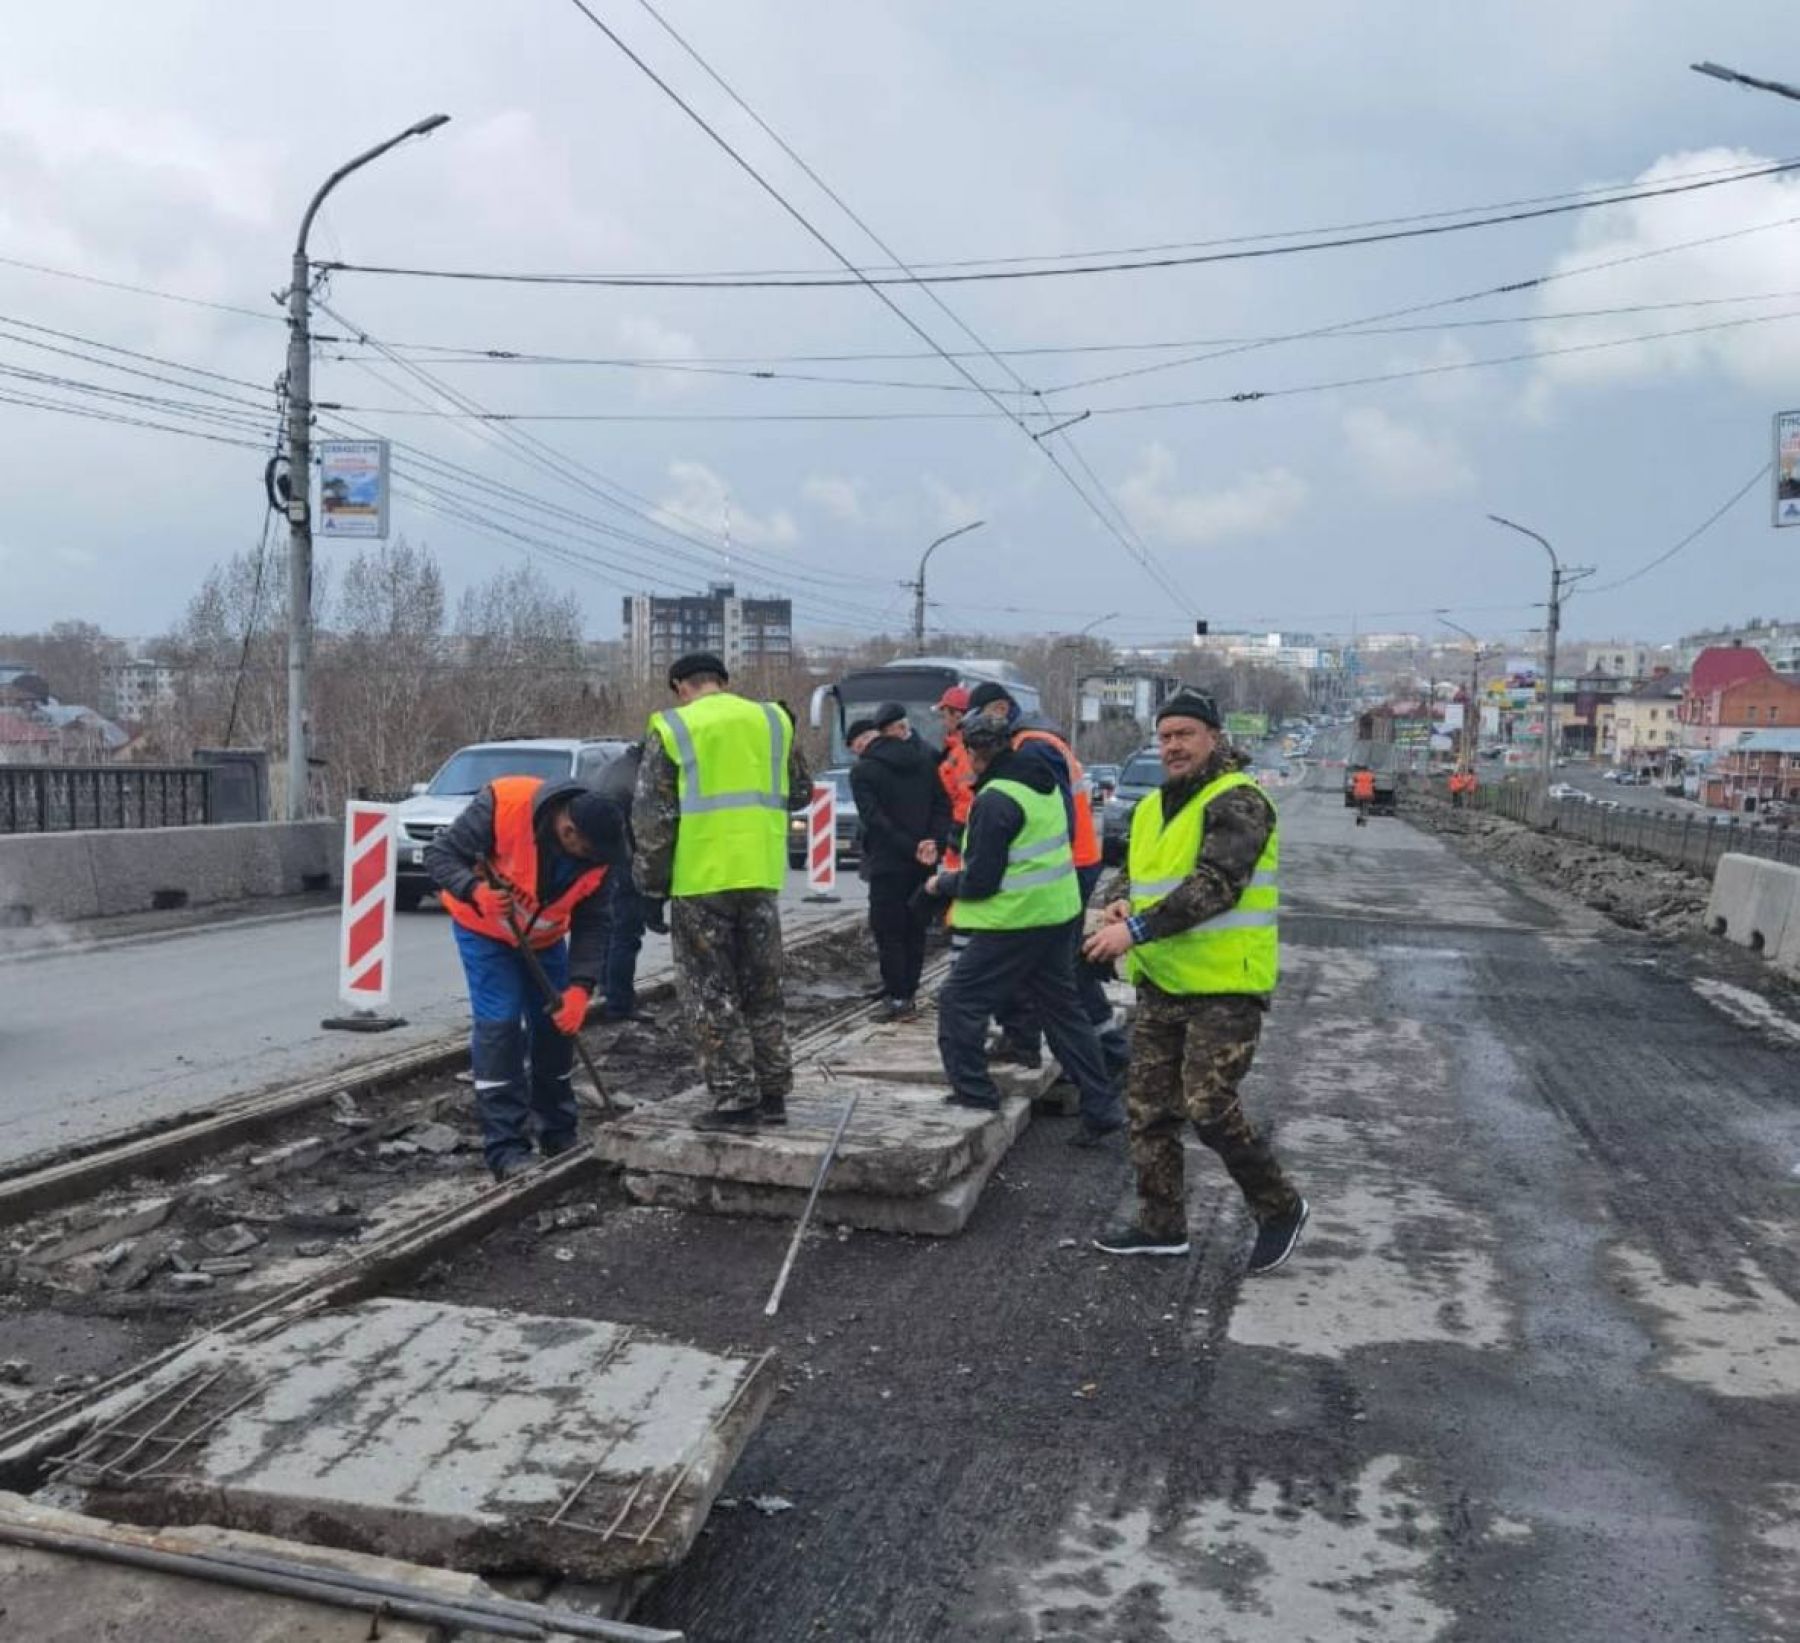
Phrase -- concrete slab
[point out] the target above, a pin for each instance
(456, 1436)
(939, 1214)
(907, 1053)
(905, 1141)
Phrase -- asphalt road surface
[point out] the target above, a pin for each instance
(1534, 1373)
(98, 1039)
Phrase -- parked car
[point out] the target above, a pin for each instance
(849, 824)
(1606, 804)
(435, 804)
(1142, 773)
(1562, 790)
(1105, 778)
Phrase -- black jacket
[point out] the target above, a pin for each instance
(899, 801)
(994, 822)
(451, 859)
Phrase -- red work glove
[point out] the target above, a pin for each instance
(492, 903)
(569, 1018)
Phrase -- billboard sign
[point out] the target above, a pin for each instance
(1247, 726)
(1787, 468)
(353, 487)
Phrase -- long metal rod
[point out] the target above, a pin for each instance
(812, 1200)
(342, 1588)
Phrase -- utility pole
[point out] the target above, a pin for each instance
(1476, 657)
(1562, 578)
(299, 506)
(918, 587)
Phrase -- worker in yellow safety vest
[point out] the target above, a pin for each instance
(1196, 922)
(720, 776)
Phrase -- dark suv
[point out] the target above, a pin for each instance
(1143, 773)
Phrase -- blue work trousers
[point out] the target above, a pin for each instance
(522, 1063)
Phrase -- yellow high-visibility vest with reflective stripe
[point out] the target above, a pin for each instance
(1039, 887)
(1237, 952)
(731, 778)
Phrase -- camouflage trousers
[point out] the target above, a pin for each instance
(1188, 1057)
(728, 970)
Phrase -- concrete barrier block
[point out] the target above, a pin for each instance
(1756, 904)
(47, 878)
(64, 877)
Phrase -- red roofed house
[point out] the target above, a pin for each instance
(1733, 688)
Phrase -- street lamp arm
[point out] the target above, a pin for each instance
(1523, 531)
(961, 530)
(419, 128)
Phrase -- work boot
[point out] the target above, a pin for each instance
(773, 1109)
(1008, 1054)
(729, 1119)
(1093, 1135)
(1275, 1239)
(1131, 1239)
(901, 1009)
(507, 1168)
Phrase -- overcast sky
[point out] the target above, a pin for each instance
(174, 145)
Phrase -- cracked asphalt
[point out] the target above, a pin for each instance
(1533, 1374)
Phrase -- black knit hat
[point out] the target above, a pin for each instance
(856, 728)
(698, 661)
(889, 713)
(981, 734)
(597, 820)
(1188, 703)
(987, 691)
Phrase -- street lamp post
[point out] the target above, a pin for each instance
(918, 587)
(1561, 577)
(1476, 657)
(299, 504)
(1075, 682)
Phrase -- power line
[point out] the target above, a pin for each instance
(140, 290)
(881, 295)
(717, 282)
(1692, 536)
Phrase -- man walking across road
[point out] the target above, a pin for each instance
(1015, 896)
(537, 853)
(904, 811)
(1362, 793)
(719, 778)
(1197, 929)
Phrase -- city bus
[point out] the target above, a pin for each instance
(916, 683)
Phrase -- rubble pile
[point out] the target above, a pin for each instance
(1639, 892)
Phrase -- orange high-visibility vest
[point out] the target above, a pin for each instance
(956, 775)
(1086, 840)
(1362, 785)
(515, 861)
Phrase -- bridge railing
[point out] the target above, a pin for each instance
(68, 798)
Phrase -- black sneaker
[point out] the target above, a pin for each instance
(773, 1109)
(900, 1009)
(975, 1103)
(729, 1119)
(1133, 1240)
(1275, 1239)
(1090, 1135)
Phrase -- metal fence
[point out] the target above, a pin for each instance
(61, 798)
(1692, 839)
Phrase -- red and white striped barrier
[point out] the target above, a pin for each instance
(821, 844)
(366, 927)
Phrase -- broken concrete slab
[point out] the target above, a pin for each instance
(907, 1053)
(227, 1241)
(905, 1140)
(457, 1436)
(939, 1214)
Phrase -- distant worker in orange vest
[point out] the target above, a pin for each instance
(1022, 1041)
(1362, 792)
(534, 853)
(955, 771)
(1462, 782)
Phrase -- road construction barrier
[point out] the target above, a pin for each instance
(366, 929)
(821, 843)
(1756, 904)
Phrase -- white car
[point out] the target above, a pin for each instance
(1562, 790)
(435, 804)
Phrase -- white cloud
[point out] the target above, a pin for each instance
(1396, 459)
(700, 497)
(1755, 356)
(838, 497)
(950, 508)
(642, 336)
(1257, 504)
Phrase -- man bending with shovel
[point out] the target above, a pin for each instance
(520, 872)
